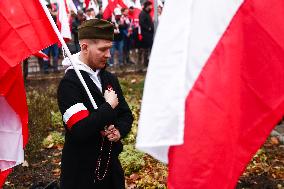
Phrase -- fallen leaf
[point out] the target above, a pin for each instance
(44, 161)
(57, 154)
(59, 147)
(134, 176)
(131, 186)
(49, 138)
(56, 160)
(50, 145)
(56, 172)
(25, 164)
(274, 140)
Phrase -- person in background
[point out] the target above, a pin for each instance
(117, 44)
(135, 33)
(100, 14)
(52, 50)
(126, 32)
(81, 17)
(75, 22)
(147, 31)
(90, 14)
(25, 68)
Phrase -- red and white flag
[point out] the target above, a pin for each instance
(20, 38)
(108, 7)
(137, 9)
(71, 6)
(40, 54)
(87, 2)
(62, 22)
(214, 89)
(94, 5)
(160, 4)
(138, 4)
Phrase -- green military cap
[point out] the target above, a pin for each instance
(96, 29)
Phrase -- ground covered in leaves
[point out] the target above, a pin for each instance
(42, 165)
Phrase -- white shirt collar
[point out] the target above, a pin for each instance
(94, 75)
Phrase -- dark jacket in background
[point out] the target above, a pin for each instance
(121, 26)
(147, 29)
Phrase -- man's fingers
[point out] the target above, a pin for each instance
(112, 133)
(104, 133)
(111, 127)
(110, 136)
(112, 139)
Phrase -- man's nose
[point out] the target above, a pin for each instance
(108, 53)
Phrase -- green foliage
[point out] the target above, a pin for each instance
(131, 159)
(43, 114)
(132, 88)
(131, 137)
(153, 175)
(56, 119)
(54, 138)
(39, 121)
(149, 183)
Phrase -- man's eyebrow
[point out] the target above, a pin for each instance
(105, 47)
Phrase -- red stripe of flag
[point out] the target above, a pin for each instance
(112, 4)
(3, 176)
(87, 2)
(40, 54)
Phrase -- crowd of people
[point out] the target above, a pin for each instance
(132, 34)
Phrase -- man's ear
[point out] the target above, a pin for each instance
(84, 47)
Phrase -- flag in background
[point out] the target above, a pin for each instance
(108, 7)
(62, 22)
(87, 2)
(40, 54)
(19, 39)
(71, 6)
(160, 4)
(213, 97)
(137, 9)
(138, 4)
(94, 5)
